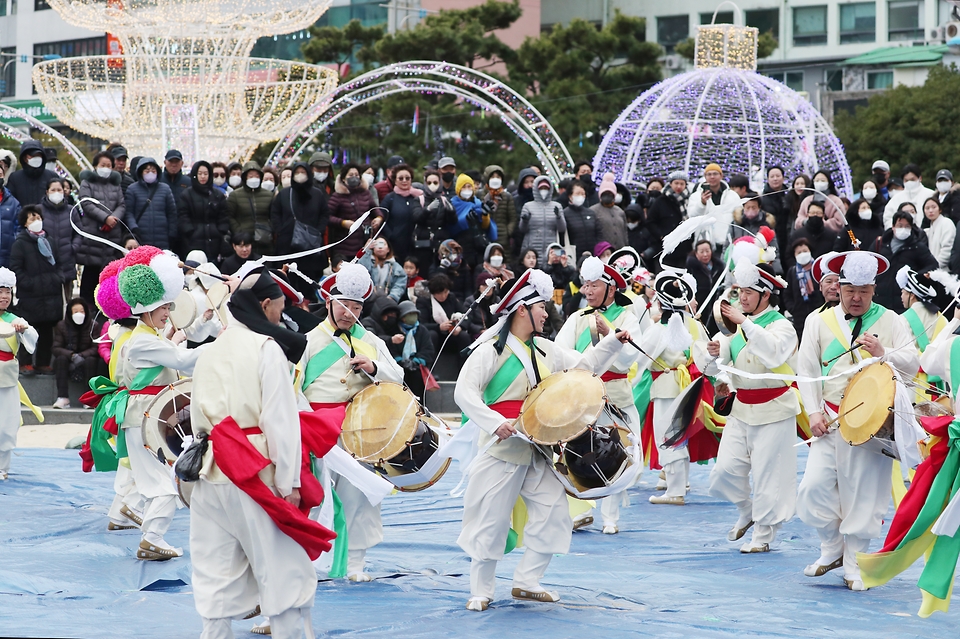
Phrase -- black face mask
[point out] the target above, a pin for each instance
(879, 178)
(353, 182)
(586, 177)
(606, 199)
(815, 224)
(447, 178)
(390, 322)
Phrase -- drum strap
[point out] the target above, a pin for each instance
(610, 315)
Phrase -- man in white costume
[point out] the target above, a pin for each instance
(602, 287)
(23, 335)
(760, 431)
(342, 359)
(845, 489)
(507, 361)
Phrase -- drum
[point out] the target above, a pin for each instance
(385, 427)
(7, 330)
(729, 296)
(867, 410)
(166, 423)
(569, 410)
(183, 311)
(217, 294)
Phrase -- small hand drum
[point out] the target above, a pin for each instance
(183, 311)
(166, 423)
(867, 410)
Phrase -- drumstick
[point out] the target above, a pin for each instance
(634, 344)
(196, 270)
(829, 424)
(846, 352)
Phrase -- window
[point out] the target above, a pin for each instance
(765, 20)
(858, 22)
(809, 26)
(671, 30)
(905, 20)
(72, 48)
(793, 79)
(3, 7)
(40, 5)
(879, 79)
(724, 17)
(833, 79)
(8, 83)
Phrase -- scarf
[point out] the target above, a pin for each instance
(382, 271)
(407, 192)
(439, 315)
(409, 341)
(43, 244)
(245, 306)
(679, 198)
(805, 281)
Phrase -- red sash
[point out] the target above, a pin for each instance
(761, 395)
(610, 376)
(148, 390)
(834, 407)
(5, 356)
(509, 408)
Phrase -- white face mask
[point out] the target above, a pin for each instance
(219, 181)
(253, 183)
(285, 182)
(433, 187)
(367, 179)
(495, 183)
(235, 181)
(821, 186)
(496, 261)
(617, 199)
(943, 186)
(104, 171)
(901, 233)
(268, 186)
(321, 176)
(865, 214)
(36, 226)
(56, 197)
(300, 178)
(545, 193)
(578, 200)
(149, 178)
(632, 225)
(35, 162)
(466, 194)
(804, 258)
(911, 185)
(78, 318)
(869, 194)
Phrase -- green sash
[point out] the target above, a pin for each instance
(916, 325)
(611, 314)
(836, 347)
(327, 357)
(113, 405)
(340, 545)
(502, 379)
(739, 341)
(954, 368)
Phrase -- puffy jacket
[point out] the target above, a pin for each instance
(913, 253)
(390, 279)
(63, 239)
(68, 338)
(541, 220)
(202, 218)
(126, 180)
(153, 208)
(9, 212)
(248, 209)
(109, 193)
(581, 228)
(431, 220)
(834, 211)
(523, 195)
(404, 209)
(611, 224)
(39, 284)
(349, 204)
(179, 184)
(308, 204)
(29, 184)
(505, 212)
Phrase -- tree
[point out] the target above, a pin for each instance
(338, 46)
(766, 44)
(905, 124)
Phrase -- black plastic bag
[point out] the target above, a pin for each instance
(191, 460)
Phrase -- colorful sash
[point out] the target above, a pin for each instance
(14, 344)
(333, 352)
(841, 342)
(920, 332)
(610, 315)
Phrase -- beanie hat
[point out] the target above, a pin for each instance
(678, 175)
(713, 166)
(607, 185)
(463, 180)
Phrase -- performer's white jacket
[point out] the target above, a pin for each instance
(935, 360)
(10, 393)
(845, 489)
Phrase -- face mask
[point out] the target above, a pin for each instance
(78, 318)
(300, 178)
(466, 194)
(219, 181)
(578, 200)
(617, 199)
(496, 261)
(56, 197)
(821, 186)
(447, 178)
(353, 182)
(36, 226)
(35, 162)
(320, 176)
(410, 319)
(804, 258)
(253, 183)
(815, 224)
(911, 185)
(234, 181)
(632, 225)
(544, 193)
(104, 171)
(495, 183)
(869, 194)
(865, 215)
(751, 213)
(586, 177)
(367, 179)
(149, 178)
(607, 199)
(879, 177)
(285, 182)
(901, 233)
(943, 186)
(269, 186)
(433, 187)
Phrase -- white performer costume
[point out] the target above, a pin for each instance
(25, 336)
(513, 468)
(579, 334)
(845, 490)
(240, 556)
(198, 283)
(337, 383)
(760, 431)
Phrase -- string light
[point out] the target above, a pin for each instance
(19, 136)
(723, 112)
(432, 78)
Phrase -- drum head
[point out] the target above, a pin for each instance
(217, 293)
(866, 403)
(184, 310)
(167, 420)
(731, 296)
(6, 330)
(380, 421)
(561, 407)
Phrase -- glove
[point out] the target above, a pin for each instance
(77, 359)
(433, 206)
(472, 217)
(488, 207)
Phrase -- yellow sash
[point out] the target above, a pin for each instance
(14, 344)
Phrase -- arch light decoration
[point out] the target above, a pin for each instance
(19, 136)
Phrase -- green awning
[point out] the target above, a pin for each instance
(897, 56)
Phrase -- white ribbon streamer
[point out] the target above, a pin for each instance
(906, 428)
(293, 256)
(798, 378)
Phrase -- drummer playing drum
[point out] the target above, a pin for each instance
(507, 361)
(845, 489)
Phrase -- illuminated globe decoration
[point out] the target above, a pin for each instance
(184, 79)
(723, 112)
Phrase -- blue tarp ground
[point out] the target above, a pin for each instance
(669, 573)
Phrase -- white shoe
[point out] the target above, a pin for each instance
(3, 475)
(538, 594)
(739, 530)
(753, 547)
(854, 584)
(610, 529)
(822, 567)
(359, 577)
(62, 402)
(478, 604)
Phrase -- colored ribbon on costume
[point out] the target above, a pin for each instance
(14, 344)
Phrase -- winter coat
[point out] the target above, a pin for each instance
(202, 218)
(125, 181)
(63, 239)
(705, 278)
(914, 253)
(940, 236)
(249, 211)
(450, 306)
(664, 215)
(468, 229)
(349, 204)
(383, 188)
(430, 222)
(866, 231)
(950, 203)
(179, 184)
(523, 195)
(776, 205)
(582, 229)
(68, 338)
(29, 184)
(39, 284)
(505, 212)
(918, 197)
(834, 212)
(819, 243)
(719, 206)
(9, 214)
(792, 300)
(109, 193)
(561, 275)
(400, 221)
(611, 225)
(374, 321)
(307, 204)
(541, 220)
(153, 208)
(394, 279)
